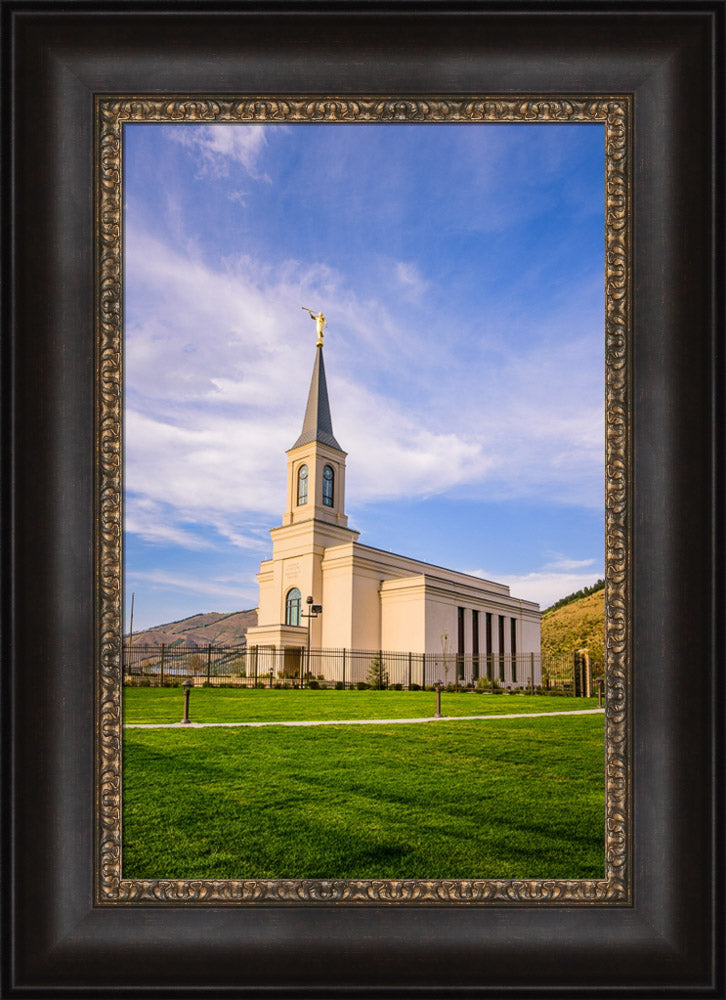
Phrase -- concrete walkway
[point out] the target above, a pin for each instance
(355, 722)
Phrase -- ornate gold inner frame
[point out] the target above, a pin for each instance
(111, 113)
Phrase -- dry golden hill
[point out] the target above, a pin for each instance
(200, 630)
(577, 625)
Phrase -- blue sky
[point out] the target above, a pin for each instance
(461, 269)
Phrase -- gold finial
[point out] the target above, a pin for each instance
(320, 322)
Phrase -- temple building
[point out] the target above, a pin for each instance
(374, 600)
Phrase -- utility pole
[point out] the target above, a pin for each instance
(131, 633)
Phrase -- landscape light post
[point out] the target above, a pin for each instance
(313, 611)
(439, 685)
(187, 689)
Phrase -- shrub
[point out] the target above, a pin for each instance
(396, 687)
(339, 686)
(313, 685)
(377, 674)
(415, 687)
(361, 686)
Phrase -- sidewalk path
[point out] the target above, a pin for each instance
(355, 722)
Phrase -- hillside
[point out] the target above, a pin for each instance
(200, 630)
(579, 624)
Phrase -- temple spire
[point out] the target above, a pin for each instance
(317, 425)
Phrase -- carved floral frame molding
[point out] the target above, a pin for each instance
(111, 113)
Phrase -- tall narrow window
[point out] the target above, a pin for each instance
(460, 643)
(514, 649)
(328, 484)
(292, 607)
(501, 647)
(488, 640)
(474, 645)
(302, 485)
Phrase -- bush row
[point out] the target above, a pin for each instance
(483, 686)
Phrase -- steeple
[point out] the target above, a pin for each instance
(316, 462)
(317, 425)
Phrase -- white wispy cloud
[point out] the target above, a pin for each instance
(216, 149)
(217, 382)
(156, 522)
(220, 587)
(410, 278)
(550, 582)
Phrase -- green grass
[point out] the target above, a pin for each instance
(506, 799)
(256, 705)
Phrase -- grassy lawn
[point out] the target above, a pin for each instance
(256, 705)
(512, 799)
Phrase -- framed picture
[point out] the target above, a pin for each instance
(326, 178)
(649, 78)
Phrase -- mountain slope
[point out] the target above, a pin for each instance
(200, 630)
(579, 624)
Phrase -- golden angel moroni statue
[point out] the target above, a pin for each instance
(320, 322)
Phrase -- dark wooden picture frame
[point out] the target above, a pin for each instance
(670, 61)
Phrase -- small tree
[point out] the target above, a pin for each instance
(377, 674)
(445, 654)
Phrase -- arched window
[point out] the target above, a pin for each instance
(302, 485)
(292, 607)
(328, 480)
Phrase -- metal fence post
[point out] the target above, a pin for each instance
(409, 671)
(423, 671)
(209, 662)
(344, 669)
(163, 652)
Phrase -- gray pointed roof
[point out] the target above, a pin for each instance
(317, 425)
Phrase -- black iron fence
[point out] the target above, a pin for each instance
(265, 666)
